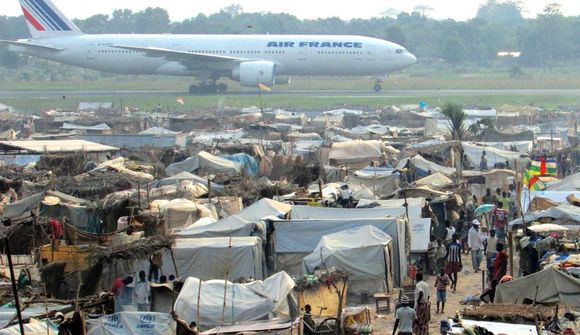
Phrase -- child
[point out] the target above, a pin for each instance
(441, 283)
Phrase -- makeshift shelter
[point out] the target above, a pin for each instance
(358, 153)
(479, 181)
(243, 302)
(570, 183)
(424, 165)
(381, 184)
(294, 239)
(435, 181)
(559, 197)
(345, 249)
(204, 163)
(564, 214)
(186, 176)
(248, 164)
(132, 323)
(241, 224)
(549, 286)
(181, 212)
(211, 258)
(493, 155)
(495, 135)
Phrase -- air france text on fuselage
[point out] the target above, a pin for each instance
(273, 44)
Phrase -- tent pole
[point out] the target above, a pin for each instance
(14, 288)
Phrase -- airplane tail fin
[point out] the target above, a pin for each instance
(45, 20)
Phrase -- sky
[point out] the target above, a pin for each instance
(181, 9)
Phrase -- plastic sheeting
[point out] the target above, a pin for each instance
(570, 183)
(555, 196)
(565, 212)
(248, 163)
(381, 185)
(205, 163)
(493, 155)
(241, 224)
(345, 249)
(244, 302)
(421, 163)
(207, 258)
(549, 286)
(182, 176)
(435, 181)
(356, 151)
(132, 323)
(302, 236)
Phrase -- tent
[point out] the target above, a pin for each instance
(294, 239)
(549, 286)
(380, 184)
(207, 258)
(205, 163)
(248, 163)
(132, 323)
(243, 302)
(182, 176)
(564, 212)
(436, 180)
(345, 251)
(421, 163)
(358, 153)
(241, 224)
(570, 183)
(493, 155)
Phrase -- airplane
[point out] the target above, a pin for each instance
(251, 60)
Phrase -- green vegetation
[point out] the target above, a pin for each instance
(292, 102)
(456, 117)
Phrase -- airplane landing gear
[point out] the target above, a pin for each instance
(208, 88)
(378, 86)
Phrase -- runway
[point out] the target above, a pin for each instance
(309, 93)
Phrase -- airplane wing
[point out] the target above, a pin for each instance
(31, 46)
(189, 59)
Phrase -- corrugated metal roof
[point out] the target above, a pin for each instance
(55, 146)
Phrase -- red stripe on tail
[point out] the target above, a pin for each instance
(32, 20)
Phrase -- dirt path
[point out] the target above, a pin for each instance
(469, 284)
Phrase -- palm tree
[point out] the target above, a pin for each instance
(456, 117)
(478, 128)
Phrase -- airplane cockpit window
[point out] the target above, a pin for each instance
(400, 51)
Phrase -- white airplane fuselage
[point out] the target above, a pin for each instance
(329, 55)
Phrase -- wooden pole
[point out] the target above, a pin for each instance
(174, 264)
(226, 280)
(14, 287)
(197, 320)
(511, 250)
(320, 188)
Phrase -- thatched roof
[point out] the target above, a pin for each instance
(139, 249)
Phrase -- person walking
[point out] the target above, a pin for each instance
(405, 316)
(422, 306)
(475, 245)
(441, 283)
(142, 293)
(453, 265)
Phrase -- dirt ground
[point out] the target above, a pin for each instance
(468, 285)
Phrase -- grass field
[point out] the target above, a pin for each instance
(418, 77)
(30, 105)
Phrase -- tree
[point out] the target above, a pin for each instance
(507, 12)
(395, 34)
(452, 51)
(456, 117)
(422, 10)
(152, 20)
(478, 128)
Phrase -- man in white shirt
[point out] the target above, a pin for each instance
(142, 293)
(450, 232)
(475, 245)
(404, 317)
(422, 306)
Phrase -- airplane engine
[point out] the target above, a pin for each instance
(251, 73)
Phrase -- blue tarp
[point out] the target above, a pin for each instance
(249, 163)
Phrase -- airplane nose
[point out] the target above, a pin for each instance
(412, 59)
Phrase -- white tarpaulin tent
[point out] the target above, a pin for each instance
(244, 302)
(345, 249)
(207, 258)
(570, 183)
(564, 213)
(437, 180)
(205, 163)
(421, 163)
(132, 323)
(293, 239)
(240, 224)
(493, 155)
(555, 196)
(380, 185)
(358, 151)
(549, 286)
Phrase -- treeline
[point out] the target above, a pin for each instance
(546, 41)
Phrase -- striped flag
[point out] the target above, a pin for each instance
(544, 167)
(532, 181)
